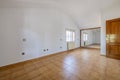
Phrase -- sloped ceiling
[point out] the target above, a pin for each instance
(84, 12)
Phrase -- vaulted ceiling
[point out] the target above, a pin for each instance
(81, 11)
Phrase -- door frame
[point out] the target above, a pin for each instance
(86, 29)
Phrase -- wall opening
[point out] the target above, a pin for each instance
(90, 38)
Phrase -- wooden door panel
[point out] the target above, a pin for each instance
(113, 38)
(114, 32)
(114, 50)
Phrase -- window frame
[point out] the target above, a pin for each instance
(70, 36)
(85, 36)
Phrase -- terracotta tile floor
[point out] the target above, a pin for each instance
(80, 64)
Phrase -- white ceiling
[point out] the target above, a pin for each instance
(80, 10)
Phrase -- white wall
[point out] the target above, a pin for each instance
(43, 28)
(90, 21)
(108, 14)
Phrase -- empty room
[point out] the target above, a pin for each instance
(59, 39)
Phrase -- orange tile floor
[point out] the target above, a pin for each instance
(80, 64)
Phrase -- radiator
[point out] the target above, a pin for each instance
(70, 45)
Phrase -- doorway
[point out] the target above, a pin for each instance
(90, 38)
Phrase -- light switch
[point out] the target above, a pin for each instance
(24, 39)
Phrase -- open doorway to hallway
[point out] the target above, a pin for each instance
(90, 38)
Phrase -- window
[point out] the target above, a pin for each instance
(85, 36)
(70, 36)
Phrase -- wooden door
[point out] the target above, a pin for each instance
(113, 38)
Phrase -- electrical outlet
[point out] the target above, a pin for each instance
(61, 47)
(47, 49)
(23, 53)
